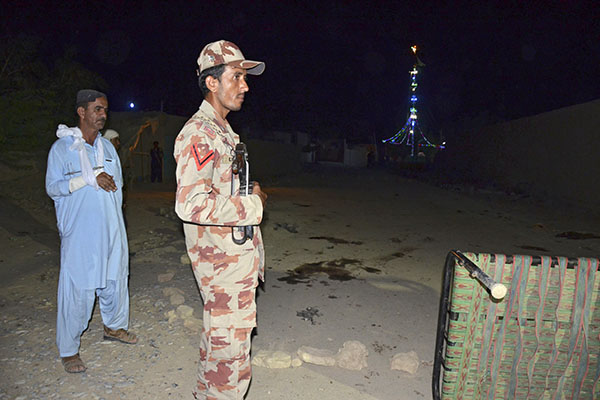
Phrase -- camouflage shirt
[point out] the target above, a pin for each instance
(207, 199)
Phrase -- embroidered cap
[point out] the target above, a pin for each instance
(224, 52)
(86, 96)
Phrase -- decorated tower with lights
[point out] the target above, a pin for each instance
(411, 134)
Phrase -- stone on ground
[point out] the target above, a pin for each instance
(185, 259)
(353, 356)
(408, 362)
(171, 316)
(272, 359)
(193, 323)
(184, 311)
(169, 291)
(296, 362)
(176, 299)
(316, 356)
(166, 277)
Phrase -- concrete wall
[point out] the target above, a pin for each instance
(266, 158)
(269, 159)
(164, 128)
(553, 154)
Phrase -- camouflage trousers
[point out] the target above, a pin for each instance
(228, 292)
(224, 370)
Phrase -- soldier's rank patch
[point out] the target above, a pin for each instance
(201, 163)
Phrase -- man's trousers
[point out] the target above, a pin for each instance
(229, 315)
(75, 307)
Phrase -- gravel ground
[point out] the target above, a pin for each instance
(363, 247)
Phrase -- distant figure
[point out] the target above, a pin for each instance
(113, 136)
(84, 179)
(156, 163)
(209, 202)
(370, 159)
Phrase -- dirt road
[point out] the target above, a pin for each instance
(365, 248)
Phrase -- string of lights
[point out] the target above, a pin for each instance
(406, 135)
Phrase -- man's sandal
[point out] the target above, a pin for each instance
(120, 335)
(73, 364)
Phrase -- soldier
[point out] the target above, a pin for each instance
(209, 203)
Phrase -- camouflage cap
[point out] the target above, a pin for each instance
(224, 52)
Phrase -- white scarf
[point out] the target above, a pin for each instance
(79, 144)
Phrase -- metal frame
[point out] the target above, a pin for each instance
(453, 258)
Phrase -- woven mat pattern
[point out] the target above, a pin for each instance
(542, 341)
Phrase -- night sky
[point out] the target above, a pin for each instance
(335, 66)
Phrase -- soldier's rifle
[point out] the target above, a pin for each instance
(241, 168)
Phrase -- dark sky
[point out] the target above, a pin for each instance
(335, 66)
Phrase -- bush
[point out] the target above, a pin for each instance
(35, 98)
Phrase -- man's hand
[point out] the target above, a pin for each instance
(260, 193)
(106, 182)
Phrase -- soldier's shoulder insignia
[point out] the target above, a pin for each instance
(208, 130)
(202, 158)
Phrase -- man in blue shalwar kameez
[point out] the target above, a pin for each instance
(84, 179)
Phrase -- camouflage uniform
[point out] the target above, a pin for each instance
(209, 204)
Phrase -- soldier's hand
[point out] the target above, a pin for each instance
(256, 190)
(106, 182)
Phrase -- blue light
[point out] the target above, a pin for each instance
(131, 105)
(413, 98)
